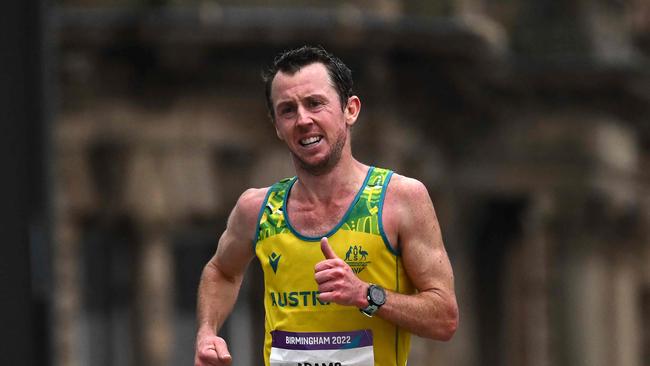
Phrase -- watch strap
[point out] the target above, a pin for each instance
(370, 310)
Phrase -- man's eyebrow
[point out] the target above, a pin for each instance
(306, 97)
(316, 96)
(284, 102)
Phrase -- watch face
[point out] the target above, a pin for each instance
(377, 295)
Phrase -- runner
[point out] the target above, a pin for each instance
(352, 255)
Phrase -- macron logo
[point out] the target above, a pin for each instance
(274, 260)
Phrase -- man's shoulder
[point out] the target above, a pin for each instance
(245, 214)
(406, 189)
(251, 200)
(407, 200)
(406, 195)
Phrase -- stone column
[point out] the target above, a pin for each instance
(645, 274)
(626, 297)
(153, 296)
(67, 291)
(600, 290)
(74, 197)
(148, 205)
(454, 206)
(527, 288)
(581, 285)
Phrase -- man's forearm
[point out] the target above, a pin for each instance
(216, 297)
(428, 314)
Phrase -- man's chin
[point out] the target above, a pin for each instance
(326, 163)
(317, 168)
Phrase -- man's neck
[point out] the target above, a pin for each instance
(347, 175)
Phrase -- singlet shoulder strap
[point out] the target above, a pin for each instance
(366, 213)
(271, 219)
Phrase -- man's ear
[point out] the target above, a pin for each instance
(352, 110)
(272, 120)
(277, 132)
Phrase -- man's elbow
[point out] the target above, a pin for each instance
(444, 328)
(449, 328)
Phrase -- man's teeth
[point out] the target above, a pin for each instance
(310, 140)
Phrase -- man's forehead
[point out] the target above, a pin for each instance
(310, 77)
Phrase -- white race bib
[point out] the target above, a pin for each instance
(352, 348)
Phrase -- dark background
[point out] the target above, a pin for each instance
(129, 128)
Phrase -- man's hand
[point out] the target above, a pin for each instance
(212, 350)
(337, 282)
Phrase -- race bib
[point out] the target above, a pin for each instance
(322, 348)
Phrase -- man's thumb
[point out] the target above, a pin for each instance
(326, 249)
(222, 352)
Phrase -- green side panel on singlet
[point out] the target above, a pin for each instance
(272, 218)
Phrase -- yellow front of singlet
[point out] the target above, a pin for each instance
(300, 329)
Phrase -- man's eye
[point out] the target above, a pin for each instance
(315, 103)
(286, 110)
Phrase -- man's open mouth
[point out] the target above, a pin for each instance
(310, 140)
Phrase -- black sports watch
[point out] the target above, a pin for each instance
(376, 298)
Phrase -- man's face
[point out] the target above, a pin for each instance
(309, 117)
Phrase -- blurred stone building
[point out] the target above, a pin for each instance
(528, 121)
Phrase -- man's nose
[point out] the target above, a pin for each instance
(304, 117)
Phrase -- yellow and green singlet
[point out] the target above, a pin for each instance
(300, 329)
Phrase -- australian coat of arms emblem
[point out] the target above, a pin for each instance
(357, 258)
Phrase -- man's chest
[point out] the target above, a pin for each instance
(315, 220)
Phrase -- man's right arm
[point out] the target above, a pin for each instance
(222, 278)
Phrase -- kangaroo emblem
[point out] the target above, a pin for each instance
(347, 255)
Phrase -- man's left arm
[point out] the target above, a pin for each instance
(432, 312)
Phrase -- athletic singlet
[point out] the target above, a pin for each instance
(301, 330)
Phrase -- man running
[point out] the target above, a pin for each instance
(352, 255)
